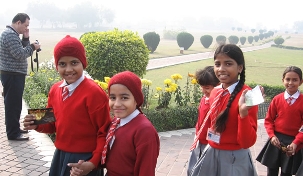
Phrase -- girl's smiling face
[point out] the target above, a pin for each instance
(70, 68)
(291, 82)
(227, 70)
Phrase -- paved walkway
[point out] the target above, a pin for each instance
(33, 157)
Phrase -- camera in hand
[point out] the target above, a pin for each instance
(37, 42)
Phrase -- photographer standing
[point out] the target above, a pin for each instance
(13, 66)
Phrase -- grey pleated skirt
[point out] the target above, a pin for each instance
(194, 156)
(215, 162)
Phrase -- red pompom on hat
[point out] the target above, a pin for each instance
(70, 46)
(132, 82)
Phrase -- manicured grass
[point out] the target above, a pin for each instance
(262, 67)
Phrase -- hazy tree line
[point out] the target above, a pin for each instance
(83, 15)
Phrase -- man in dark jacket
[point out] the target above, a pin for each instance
(13, 66)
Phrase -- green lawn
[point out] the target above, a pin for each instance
(262, 67)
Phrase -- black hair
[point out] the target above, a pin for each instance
(20, 17)
(235, 53)
(293, 69)
(207, 76)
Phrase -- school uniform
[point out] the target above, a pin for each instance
(196, 153)
(284, 121)
(81, 124)
(230, 154)
(134, 148)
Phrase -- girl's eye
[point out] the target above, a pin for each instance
(75, 62)
(112, 98)
(61, 64)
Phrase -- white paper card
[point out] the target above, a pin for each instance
(254, 96)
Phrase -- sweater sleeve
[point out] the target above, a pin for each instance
(147, 148)
(270, 119)
(99, 114)
(247, 129)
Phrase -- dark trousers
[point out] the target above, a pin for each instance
(13, 87)
(275, 172)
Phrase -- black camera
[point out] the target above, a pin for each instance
(37, 42)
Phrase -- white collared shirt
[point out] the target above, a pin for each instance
(294, 96)
(231, 88)
(73, 86)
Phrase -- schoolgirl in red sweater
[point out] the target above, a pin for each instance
(207, 79)
(134, 147)
(283, 122)
(81, 112)
(233, 125)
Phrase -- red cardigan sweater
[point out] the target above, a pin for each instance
(135, 149)
(285, 119)
(240, 133)
(203, 109)
(82, 119)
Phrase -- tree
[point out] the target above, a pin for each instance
(242, 40)
(185, 40)
(151, 39)
(261, 36)
(206, 40)
(279, 41)
(221, 39)
(233, 39)
(250, 39)
(253, 30)
(110, 52)
(256, 38)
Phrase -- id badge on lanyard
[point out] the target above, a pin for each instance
(213, 136)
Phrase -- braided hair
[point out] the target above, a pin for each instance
(235, 53)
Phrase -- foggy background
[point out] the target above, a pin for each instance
(157, 15)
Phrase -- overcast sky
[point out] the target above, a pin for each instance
(269, 13)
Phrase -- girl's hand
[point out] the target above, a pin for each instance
(28, 122)
(275, 141)
(291, 149)
(81, 168)
(243, 109)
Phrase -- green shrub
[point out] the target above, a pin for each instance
(185, 40)
(279, 41)
(173, 118)
(151, 39)
(233, 39)
(242, 40)
(287, 47)
(256, 38)
(38, 101)
(114, 51)
(250, 39)
(206, 40)
(221, 39)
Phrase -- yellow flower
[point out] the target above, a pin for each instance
(103, 85)
(146, 82)
(106, 79)
(169, 89)
(176, 77)
(50, 79)
(194, 81)
(32, 74)
(174, 87)
(167, 81)
(191, 75)
(159, 89)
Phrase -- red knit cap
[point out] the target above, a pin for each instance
(132, 82)
(70, 46)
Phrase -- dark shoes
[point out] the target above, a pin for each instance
(19, 138)
(23, 131)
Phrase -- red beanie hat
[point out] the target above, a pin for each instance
(132, 82)
(70, 46)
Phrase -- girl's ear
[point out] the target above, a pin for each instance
(240, 69)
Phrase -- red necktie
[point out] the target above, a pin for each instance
(289, 99)
(213, 108)
(109, 136)
(65, 93)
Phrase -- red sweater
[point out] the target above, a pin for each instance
(285, 119)
(203, 109)
(240, 132)
(135, 149)
(82, 119)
